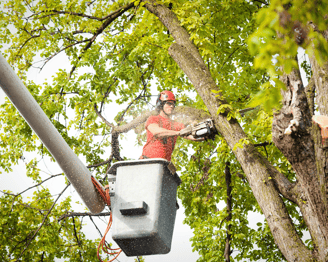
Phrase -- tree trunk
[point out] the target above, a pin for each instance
(227, 250)
(292, 134)
(266, 182)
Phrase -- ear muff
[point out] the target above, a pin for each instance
(158, 101)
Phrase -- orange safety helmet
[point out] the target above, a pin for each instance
(163, 97)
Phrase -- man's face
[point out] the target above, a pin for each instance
(169, 107)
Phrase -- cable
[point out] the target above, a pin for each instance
(106, 248)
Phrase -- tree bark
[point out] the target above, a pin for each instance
(320, 78)
(292, 134)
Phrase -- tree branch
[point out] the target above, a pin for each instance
(52, 176)
(230, 56)
(263, 144)
(56, 12)
(102, 118)
(101, 163)
(83, 214)
(6, 193)
(205, 169)
(109, 19)
(78, 14)
(44, 219)
(75, 234)
(116, 147)
(131, 103)
(227, 249)
(63, 49)
(262, 2)
(141, 93)
(98, 230)
(171, 22)
(243, 111)
(107, 94)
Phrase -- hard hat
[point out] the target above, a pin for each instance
(163, 97)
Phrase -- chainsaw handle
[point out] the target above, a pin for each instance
(186, 131)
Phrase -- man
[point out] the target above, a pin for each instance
(162, 131)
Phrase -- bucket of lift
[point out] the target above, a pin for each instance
(144, 205)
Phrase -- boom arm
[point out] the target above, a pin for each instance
(74, 169)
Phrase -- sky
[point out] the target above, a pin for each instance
(181, 249)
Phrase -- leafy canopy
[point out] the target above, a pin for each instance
(116, 62)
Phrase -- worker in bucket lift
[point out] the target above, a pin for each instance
(162, 131)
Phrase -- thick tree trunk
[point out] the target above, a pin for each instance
(292, 134)
(257, 169)
(320, 82)
(320, 78)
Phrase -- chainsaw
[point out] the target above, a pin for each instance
(205, 129)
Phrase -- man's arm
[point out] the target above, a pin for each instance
(158, 131)
(161, 132)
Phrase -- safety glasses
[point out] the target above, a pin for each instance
(170, 103)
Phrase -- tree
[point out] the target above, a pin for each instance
(239, 57)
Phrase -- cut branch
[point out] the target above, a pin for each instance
(135, 122)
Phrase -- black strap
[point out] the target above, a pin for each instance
(164, 139)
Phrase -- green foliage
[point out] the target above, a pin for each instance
(239, 43)
(282, 29)
(19, 220)
(203, 193)
(307, 69)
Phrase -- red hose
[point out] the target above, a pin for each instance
(106, 248)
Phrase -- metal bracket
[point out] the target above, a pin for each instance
(111, 184)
